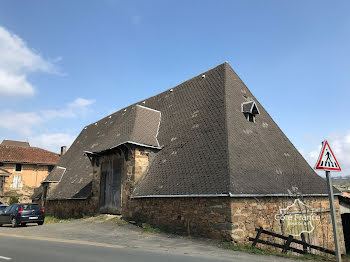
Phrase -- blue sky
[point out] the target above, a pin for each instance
(65, 64)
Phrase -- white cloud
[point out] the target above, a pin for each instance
(340, 144)
(313, 155)
(17, 60)
(77, 107)
(347, 139)
(20, 122)
(52, 142)
(14, 85)
(24, 122)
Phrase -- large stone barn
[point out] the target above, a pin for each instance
(202, 158)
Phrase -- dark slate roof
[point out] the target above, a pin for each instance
(247, 106)
(262, 160)
(138, 125)
(56, 174)
(78, 173)
(207, 145)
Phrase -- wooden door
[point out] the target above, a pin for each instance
(110, 186)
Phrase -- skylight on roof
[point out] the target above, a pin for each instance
(250, 109)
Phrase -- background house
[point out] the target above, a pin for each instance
(202, 158)
(22, 168)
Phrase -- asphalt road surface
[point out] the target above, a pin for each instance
(29, 250)
(98, 239)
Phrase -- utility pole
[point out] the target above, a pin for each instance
(333, 215)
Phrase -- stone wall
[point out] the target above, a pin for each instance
(135, 167)
(205, 217)
(251, 213)
(71, 208)
(235, 219)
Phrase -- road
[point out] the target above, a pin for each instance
(103, 238)
(29, 250)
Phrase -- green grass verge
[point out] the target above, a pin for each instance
(52, 220)
(269, 252)
(147, 228)
(98, 219)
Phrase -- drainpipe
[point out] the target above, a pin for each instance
(36, 178)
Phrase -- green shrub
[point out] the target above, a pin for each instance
(13, 200)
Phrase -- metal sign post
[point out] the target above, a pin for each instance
(334, 219)
(327, 161)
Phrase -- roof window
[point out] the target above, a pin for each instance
(250, 109)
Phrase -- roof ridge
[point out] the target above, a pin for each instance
(35, 147)
(167, 90)
(226, 128)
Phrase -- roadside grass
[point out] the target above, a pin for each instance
(99, 219)
(109, 218)
(118, 221)
(104, 218)
(147, 228)
(268, 252)
(53, 220)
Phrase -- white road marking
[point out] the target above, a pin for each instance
(5, 258)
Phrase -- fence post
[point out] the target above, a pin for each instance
(257, 236)
(304, 245)
(287, 244)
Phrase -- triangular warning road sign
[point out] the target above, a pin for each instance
(326, 160)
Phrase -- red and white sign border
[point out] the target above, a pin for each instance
(317, 167)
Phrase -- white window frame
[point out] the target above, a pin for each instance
(16, 182)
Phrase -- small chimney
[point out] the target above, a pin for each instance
(63, 150)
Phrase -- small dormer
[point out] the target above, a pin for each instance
(250, 109)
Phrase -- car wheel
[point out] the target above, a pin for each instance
(0, 225)
(14, 222)
(40, 223)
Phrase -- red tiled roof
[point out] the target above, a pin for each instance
(14, 143)
(34, 155)
(344, 194)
